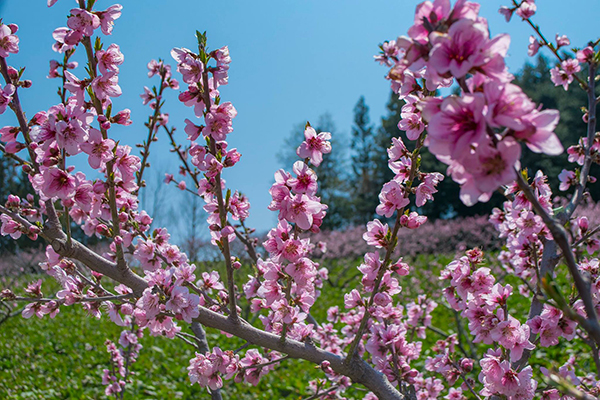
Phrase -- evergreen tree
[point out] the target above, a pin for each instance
(364, 163)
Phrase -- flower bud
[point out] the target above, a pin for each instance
(466, 364)
(382, 299)
(127, 309)
(39, 118)
(7, 294)
(68, 266)
(97, 275)
(123, 217)
(122, 117)
(102, 119)
(14, 147)
(102, 229)
(13, 73)
(583, 224)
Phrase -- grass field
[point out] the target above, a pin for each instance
(63, 358)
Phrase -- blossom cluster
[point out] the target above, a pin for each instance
(122, 358)
(210, 369)
(212, 154)
(476, 133)
(577, 155)
(525, 232)
(104, 207)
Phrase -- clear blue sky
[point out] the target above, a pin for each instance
(292, 61)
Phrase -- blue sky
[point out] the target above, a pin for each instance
(293, 60)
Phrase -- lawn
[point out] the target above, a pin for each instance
(63, 358)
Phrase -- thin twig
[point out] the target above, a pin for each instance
(152, 130)
(180, 336)
(546, 43)
(82, 300)
(323, 393)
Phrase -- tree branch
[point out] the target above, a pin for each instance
(562, 240)
(359, 371)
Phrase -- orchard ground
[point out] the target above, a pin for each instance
(64, 357)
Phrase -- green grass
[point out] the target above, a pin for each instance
(63, 358)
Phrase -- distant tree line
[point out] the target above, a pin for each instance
(351, 176)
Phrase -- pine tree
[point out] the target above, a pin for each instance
(364, 164)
